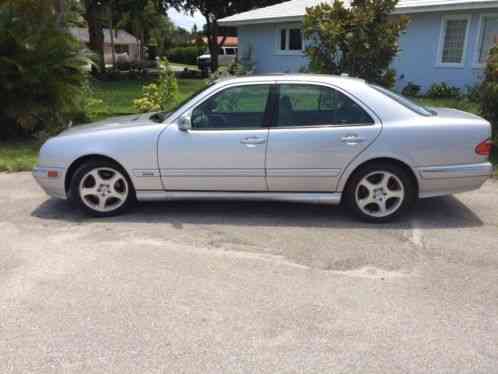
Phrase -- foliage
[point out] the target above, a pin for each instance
(473, 93)
(443, 90)
(411, 89)
(18, 156)
(160, 95)
(225, 72)
(360, 41)
(42, 70)
(489, 91)
(213, 10)
(185, 55)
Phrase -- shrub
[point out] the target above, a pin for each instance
(360, 40)
(411, 89)
(443, 91)
(42, 70)
(184, 55)
(161, 94)
(489, 91)
(473, 93)
(236, 69)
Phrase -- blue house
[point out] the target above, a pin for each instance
(446, 40)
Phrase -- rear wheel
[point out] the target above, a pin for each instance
(380, 192)
(101, 189)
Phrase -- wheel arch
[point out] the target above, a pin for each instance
(346, 178)
(83, 159)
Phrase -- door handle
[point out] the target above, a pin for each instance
(253, 140)
(352, 139)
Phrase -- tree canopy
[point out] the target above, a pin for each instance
(360, 41)
(213, 10)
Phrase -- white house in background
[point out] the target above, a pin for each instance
(126, 46)
(446, 40)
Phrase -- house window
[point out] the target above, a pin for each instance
(121, 48)
(453, 41)
(289, 41)
(295, 40)
(488, 37)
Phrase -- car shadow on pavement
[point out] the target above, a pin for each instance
(442, 212)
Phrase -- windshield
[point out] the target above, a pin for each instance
(407, 103)
(162, 116)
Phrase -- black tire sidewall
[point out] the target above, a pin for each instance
(74, 192)
(405, 178)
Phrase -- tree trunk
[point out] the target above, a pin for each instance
(214, 47)
(95, 31)
(111, 32)
(59, 12)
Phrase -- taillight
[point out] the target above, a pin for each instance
(485, 148)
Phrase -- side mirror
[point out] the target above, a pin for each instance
(185, 123)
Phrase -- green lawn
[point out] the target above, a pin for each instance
(118, 96)
(18, 156)
(118, 99)
(464, 105)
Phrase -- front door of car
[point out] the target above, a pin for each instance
(317, 132)
(225, 149)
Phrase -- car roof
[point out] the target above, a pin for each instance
(315, 78)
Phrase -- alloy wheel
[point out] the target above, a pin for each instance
(379, 194)
(103, 189)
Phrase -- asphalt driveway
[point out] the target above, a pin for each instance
(191, 287)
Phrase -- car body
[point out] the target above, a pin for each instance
(284, 137)
(227, 56)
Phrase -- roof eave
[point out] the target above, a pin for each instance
(399, 11)
(260, 21)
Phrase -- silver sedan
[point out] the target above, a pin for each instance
(306, 138)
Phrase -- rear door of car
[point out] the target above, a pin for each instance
(316, 131)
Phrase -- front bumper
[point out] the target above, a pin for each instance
(53, 186)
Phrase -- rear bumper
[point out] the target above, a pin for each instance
(446, 180)
(52, 186)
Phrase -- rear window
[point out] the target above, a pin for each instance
(407, 103)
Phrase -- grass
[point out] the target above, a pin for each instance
(183, 66)
(118, 96)
(461, 104)
(18, 156)
(118, 99)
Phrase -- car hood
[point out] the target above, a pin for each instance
(204, 57)
(113, 123)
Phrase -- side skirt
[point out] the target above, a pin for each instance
(298, 197)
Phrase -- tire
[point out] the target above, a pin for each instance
(380, 192)
(101, 189)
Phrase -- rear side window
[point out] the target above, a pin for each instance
(407, 103)
(311, 105)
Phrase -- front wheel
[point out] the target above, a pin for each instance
(101, 189)
(380, 192)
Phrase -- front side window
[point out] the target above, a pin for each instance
(453, 40)
(311, 105)
(241, 107)
(488, 36)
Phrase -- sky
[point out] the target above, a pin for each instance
(186, 20)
